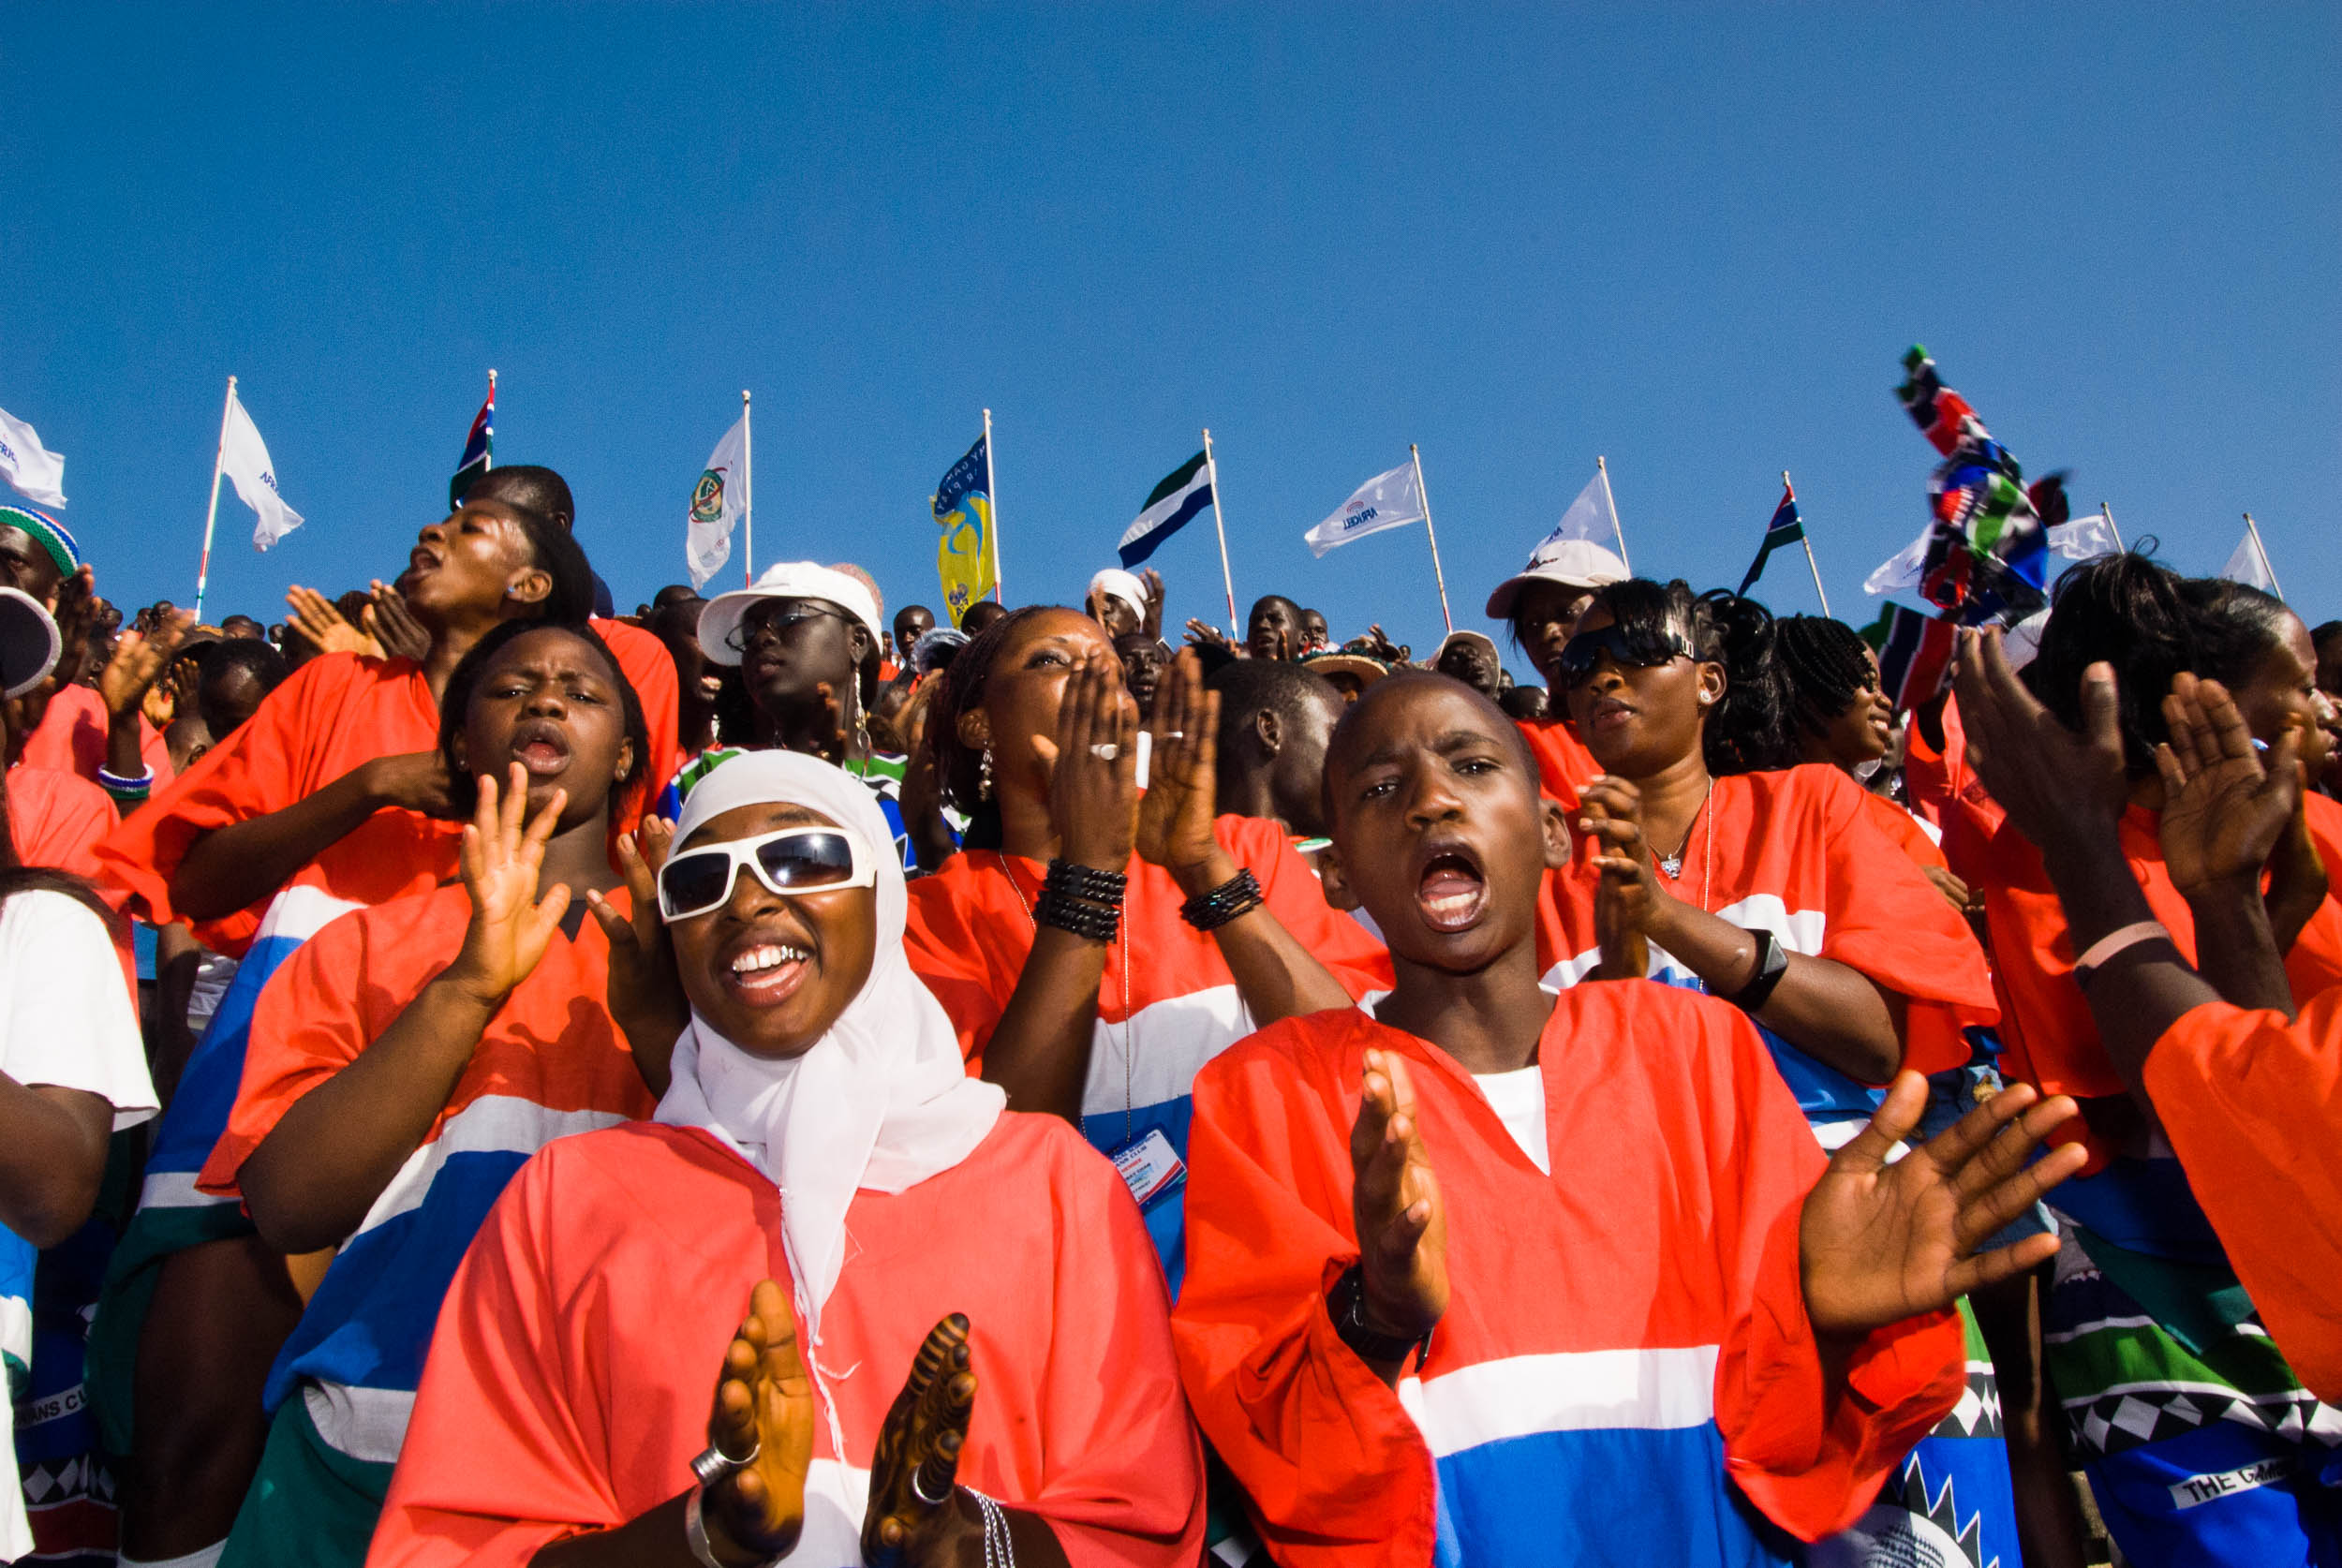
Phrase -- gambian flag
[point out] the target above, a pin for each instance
(1787, 527)
(1914, 654)
(475, 448)
(1184, 493)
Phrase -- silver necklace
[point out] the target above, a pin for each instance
(1673, 864)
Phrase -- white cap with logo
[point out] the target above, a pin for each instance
(1573, 563)
(786, 579)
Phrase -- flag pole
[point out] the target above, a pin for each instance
(1617, 529)
(2263, 551)
(219, 453)
(488, 458)
(747, 491)
(2108, 512)
(1806, 540)
(992, 499)
(1425, 495)
(1211, 466)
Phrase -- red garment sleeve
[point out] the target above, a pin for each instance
(1124, 1454)
(497, 1463)
(260, 768)
(1812, 1469)
(310, 1022)
(649, 668)
(1296, 897)
(1338, 1472)
(1564, 766)
(946, 952)
(2253, 1108)
(1888, 920)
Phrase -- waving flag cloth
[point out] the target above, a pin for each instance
(717, 503)
(2250, 565)
(243, 458)
(1985, 555)
(1184, 492)
(1787, 527)
(37, 473)
(477, 446)
(1913, 655)
(1389, 500)
(966, 560)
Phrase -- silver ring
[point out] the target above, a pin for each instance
(1175, 735)
(920, 1492)
(712, 1464)
(1106, 752)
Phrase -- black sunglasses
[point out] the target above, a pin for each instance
(1633, 650)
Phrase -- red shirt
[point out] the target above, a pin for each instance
(1564, 765)
(71, 738)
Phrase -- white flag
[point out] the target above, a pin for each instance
(717, 502)
(2249, 566)
(1388, 501)
(2085, 538)
(1589, 517)
(37, 473)
(1901, 570)
(243, 458)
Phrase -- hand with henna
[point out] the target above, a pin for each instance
(1397, 1209)
(916, 1512)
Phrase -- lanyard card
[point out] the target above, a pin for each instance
(1150, 1166)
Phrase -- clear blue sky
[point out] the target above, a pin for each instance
(1692, 239)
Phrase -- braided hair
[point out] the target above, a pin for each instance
(1744, 731)
(1825, 669)
(958, 765)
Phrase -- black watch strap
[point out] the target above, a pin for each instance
(1346, 1304)
(1773, 962)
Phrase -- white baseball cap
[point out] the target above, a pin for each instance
(1573, 563)
(29, 644)
(787, 580)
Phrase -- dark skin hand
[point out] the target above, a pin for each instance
(394, 626)
(138, 660)
(2226, 814)
(1837, 1013)
(1396, 1211)
(2067, 793)
(645, 995)
(240, 865)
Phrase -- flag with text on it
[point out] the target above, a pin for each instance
(1184, 492)
(964, 560)
(37, 473)
(717, 502)
(2249, 566)
(479, 448)
(243, 458)
(1787, 527)
(1388, 501)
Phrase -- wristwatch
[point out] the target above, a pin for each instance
(1346, 1304)
(1773, 962)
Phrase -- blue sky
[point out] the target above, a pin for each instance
(1692, 239)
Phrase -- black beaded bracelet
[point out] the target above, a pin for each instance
(1241, 895)
(1098, 922)
(1085, 883)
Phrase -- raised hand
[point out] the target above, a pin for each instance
(1203, 634)
(510, 925)
(1175, 816)
(137, 659)
(2053, 783)
(76, 614)
(1152, 581)
(317, 618)
(1093, 767)
(1878, 1242)
(2224, 810)
(1627, 898)
(914, 1508)
(1396, 1206)
(836, 744)
(643, 992)
(764, 1407)
(392, 624)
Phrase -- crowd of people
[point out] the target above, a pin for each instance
(488, 1078)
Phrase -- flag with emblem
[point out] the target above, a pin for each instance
(478, 456)
(718, 500)
(966, 558)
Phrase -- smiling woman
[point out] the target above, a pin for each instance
(824, 1165)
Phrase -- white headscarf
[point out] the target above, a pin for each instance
(883, 1100)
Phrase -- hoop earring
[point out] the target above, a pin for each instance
(984, 775)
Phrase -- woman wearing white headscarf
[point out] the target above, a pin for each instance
(823, 1160)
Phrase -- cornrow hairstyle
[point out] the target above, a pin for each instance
(1824, 668)
(957, 764)
(464, 787)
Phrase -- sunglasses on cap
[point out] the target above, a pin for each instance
(1628, 649)
(792, 860)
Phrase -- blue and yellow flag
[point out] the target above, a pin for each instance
(963, 559)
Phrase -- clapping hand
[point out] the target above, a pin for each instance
(393, 626)
(763, 1408)
(1175, 816)
(1880, 1242)
(2055, 784)
(644, 992)
(2224, 808)
(317, 618)
(137, 659)
(1396, 1206)
(1093, 767)
(1628, 896)
(914, 1502)
(1203, 634)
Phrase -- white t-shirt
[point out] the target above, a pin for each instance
(64, 1019)
(1519, 1100)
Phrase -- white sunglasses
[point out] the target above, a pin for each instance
(792, 860)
